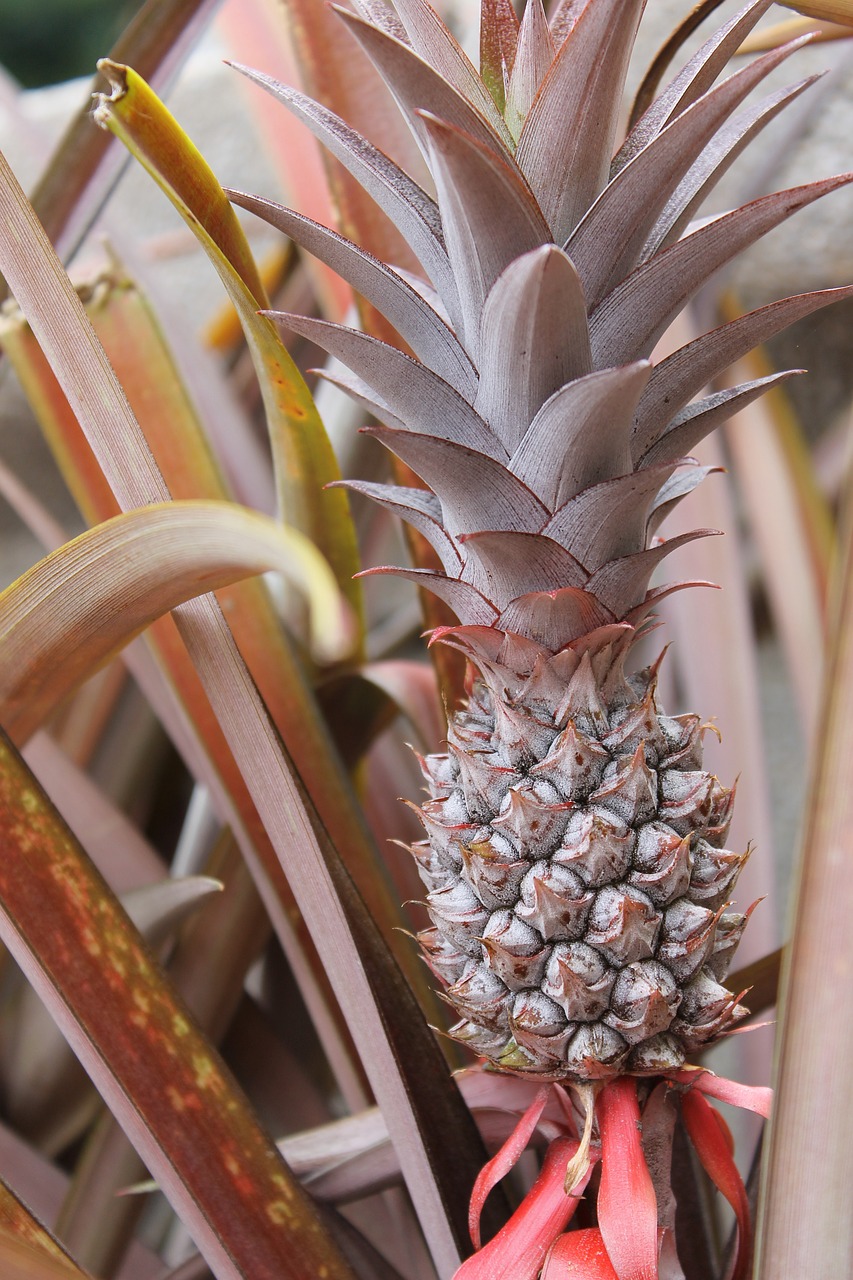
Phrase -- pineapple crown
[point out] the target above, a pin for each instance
(552, 448)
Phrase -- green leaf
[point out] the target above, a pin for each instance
(303, 457)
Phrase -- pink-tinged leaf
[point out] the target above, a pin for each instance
(627, 1208)
(567, 139)
(394, 191)
(534, 338)
(579, 1255)
(695, 78)
(412, 687)
(471, 608)
(471, 182)
(476, 491)
(505, 565)
(702, 417)
(606, 244)
(677, 379)
(180, 1108)
(630, 320)
(498, 40)
(499, 1166)
(713, 1149)
(417, 86)
(435, 43)
(413, 318)
(421, 509)
(518, 1250)
(533, 59)
(581, 435)
(780, 32)
(414, 394)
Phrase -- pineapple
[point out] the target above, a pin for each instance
(575, 862)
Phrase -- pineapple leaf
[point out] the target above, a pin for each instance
(421, 509)
(303, 459)
(534, 339)
(498, 41)
(412, 392)
(435, 43)
(608, 520)
(622, 584)
(17, 1221)
(413, 211)
(245, 1211)
(678, 378)
(419, 87)
(701, 418)
(633, 316)
(605, 245)
(512, 564)
(581, 435)
(465, 601)
(567, 139)
(413, 318)
(692, 81)
(533, 59)
(476, 490)
(720, 153)
(472, 182)
(553, 617)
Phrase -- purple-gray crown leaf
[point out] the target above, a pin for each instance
(695, 78)
(553, 618)
(673, 491)
(721, 152)
(413, 212)
(421, 509)
(417, 87)
(607, 243)
(678, 378)
(534, 338)
(622, 584)
(567, 139)
(582, 435)
(698, 420)
(512, 564)
(534, 55)
(383, 16)
(470, 607)
(608, 520)
(476, 492)
(432, 341)
(436, 44)
(629, 321)
(413, 393)
(471, 183)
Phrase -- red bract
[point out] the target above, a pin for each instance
(627, 1208)
(580, 1255)
(635, 1238)
(518, 1250)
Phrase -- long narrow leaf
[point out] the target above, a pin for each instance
(197, 1136)
(112, 581)
(302, 455)
(810, 1156)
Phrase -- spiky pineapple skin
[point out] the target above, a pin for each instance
(577, 872)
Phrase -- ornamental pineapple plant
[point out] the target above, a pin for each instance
(577, 873)
(575, 861)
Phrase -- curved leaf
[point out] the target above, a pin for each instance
(303, 458)
(112, 581)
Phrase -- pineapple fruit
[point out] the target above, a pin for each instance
(578, 880)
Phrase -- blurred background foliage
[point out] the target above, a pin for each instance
(51, 40)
